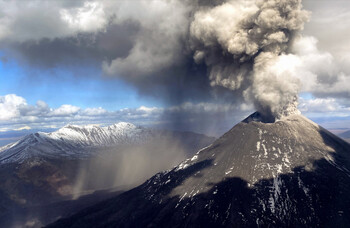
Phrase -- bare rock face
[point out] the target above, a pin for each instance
(286, 173)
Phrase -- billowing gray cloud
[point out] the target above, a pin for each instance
(89, 48)
(232, 51)
(33, 20)
(241, 42)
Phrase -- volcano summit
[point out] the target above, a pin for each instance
(289, 173)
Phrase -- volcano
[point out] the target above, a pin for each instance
(286, 173)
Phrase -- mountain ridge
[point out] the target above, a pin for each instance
(49, 168)
(72, 136)
(73, 141)
(288, 173)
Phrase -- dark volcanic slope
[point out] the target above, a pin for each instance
(291, 173)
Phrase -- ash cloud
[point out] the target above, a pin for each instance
(197, 51)
(88, 48)
(242, 43)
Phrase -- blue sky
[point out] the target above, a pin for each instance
(60, 85)
(91, 62)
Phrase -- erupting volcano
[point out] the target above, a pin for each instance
(287, 173)
(184, 65)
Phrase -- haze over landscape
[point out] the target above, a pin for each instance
(191, 113)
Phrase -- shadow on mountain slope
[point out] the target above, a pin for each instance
(290, 173)
(304, 198)
(38, 216)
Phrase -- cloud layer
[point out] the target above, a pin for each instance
(209, 118)
(199, 51)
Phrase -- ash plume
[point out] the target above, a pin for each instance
(177, 50)
(242, 44)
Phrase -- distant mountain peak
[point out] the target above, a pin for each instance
(117, 126)
(284, 173)
(123, 125)
(71, 140)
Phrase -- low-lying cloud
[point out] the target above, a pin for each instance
(210, 118)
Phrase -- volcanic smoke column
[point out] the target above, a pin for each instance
(245, 45)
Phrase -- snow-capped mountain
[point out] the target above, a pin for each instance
(289, 173)
(74, 141)
(51, 170)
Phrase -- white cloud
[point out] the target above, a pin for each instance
(26, 20)
(88, 18)
(65, 110)
(203, 117)
(323, 107)
(148, 109)
(16, 113)
(10, 106)
(23, 128)
(319, 72)
(94, 111)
